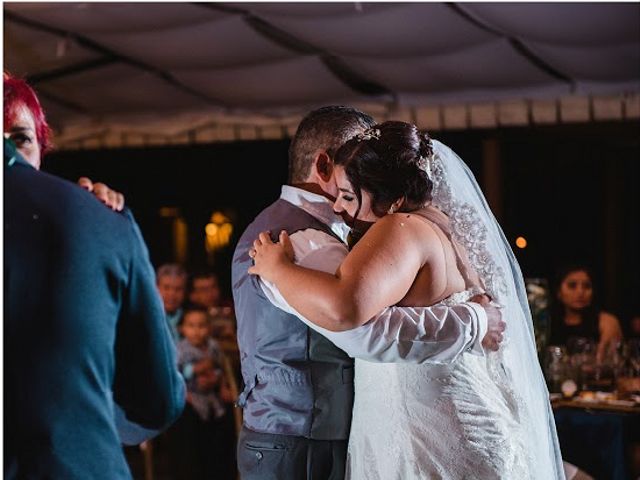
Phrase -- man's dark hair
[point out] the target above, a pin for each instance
(326, 128)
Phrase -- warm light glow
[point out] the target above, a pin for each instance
(211, 229)
(218, 231)
(521, 242)
(169, 212)
(180, 240)
(219, 218)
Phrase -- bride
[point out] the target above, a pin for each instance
(432, 239)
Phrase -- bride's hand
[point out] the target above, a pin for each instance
(268, 256)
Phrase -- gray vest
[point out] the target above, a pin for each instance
(296, 381)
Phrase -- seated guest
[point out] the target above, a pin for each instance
(574, 312)
(171, 280)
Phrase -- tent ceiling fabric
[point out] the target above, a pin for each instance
(163, 69)
(402, 31)
(223, 43)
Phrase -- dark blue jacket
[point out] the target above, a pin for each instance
(83, 327)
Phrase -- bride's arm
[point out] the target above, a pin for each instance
(377, 273)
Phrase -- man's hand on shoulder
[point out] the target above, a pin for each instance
(112, 199)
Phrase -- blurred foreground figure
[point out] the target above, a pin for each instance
(89, 361)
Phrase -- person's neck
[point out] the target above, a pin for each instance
(572, 317)
(313, 188)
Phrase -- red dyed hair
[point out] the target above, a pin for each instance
(18, 94)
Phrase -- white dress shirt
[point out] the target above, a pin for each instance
(437, 334)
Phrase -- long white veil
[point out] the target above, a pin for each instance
(457, 194)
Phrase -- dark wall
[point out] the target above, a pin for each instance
(237, 178)
(570, 190)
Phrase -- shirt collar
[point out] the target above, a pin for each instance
(318, 206)
(12, 156)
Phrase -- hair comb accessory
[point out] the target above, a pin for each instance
(368, 134)
(425, 164)
(425, 161)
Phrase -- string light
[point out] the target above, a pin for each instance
(521, 242)
(218, 232)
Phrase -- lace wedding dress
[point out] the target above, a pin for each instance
(480, 417)
(434, 421)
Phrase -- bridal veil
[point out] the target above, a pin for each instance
(457, 194)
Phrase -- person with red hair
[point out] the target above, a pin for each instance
(24, 120)
(90, 363)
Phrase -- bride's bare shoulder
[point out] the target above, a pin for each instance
(409, 226)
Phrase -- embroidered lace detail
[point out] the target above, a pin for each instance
(444, 421)
(416, 422)
(468, 231)
(460, 420)
(461, 297)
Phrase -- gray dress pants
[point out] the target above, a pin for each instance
(265, 456)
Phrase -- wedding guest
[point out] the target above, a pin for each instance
(26, 126)
(196, 440)
(205, 292)
(575, 313)
(77, 380)
(171, 280)
(205, 289)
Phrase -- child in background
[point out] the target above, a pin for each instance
(196, 437)
(199, 360)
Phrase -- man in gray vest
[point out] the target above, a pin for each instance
(298, 392)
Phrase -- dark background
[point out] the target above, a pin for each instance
(570, 190)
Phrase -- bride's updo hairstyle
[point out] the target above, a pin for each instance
(388, 161)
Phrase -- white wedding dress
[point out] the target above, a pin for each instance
(435, 421)
(481, 417)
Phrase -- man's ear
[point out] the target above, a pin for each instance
(324, 166)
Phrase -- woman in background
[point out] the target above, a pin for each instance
(575, 314)
(25, 124)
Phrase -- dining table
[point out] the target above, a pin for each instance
(599, 436)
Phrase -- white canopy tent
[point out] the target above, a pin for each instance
(120, 74)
